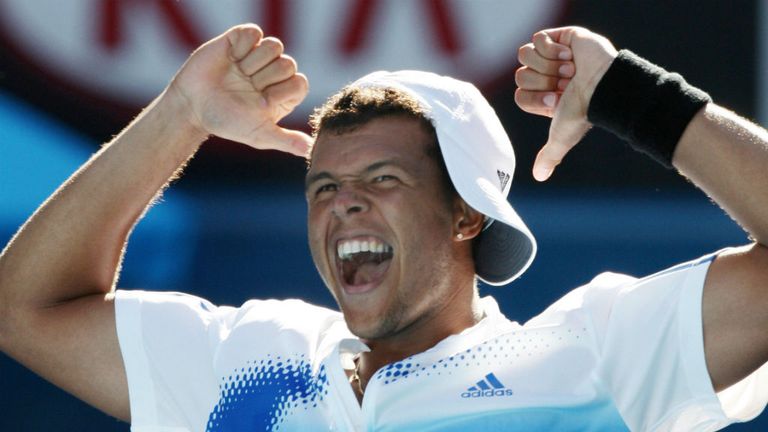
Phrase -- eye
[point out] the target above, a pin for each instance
(328, 187)
(384, 178)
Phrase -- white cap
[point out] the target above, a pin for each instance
(480, 162)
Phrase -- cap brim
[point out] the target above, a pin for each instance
(502, 253)
(505, 248)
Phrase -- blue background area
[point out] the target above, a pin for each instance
(232, 244)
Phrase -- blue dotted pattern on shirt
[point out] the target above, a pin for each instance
(499, 352)
(261, 395)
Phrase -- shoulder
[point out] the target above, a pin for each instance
(595, 297)
(613, 298)
(605, 288)
(174, 309)
(287, 316)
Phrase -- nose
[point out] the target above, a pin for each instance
(347, 202)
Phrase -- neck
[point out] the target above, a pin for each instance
(422, 334)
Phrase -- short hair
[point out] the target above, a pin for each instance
(353, 107)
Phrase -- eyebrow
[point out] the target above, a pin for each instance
(369, 169)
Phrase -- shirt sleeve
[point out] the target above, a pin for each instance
(173, 345)
(168, 341)
(652, 354)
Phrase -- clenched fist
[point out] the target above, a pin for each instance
(560, 71)
(239, 85)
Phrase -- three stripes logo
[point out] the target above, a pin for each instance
(490, 386)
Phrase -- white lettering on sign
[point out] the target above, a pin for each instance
(127, 50)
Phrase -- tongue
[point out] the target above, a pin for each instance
(369, 272)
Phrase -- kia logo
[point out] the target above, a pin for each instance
(127, 50)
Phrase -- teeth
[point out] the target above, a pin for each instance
(347, 248)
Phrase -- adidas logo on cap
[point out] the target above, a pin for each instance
(490, 386)
(503, 178)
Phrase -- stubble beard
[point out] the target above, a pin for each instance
(389, 324)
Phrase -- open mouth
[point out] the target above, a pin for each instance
(363, 261)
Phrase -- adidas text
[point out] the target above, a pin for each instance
(489, 386)
(487, 393)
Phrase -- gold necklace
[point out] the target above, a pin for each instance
(356, 375)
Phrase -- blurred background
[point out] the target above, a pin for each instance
(73, 73)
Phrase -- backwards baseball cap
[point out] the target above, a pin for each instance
(480, 162)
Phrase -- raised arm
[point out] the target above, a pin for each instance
(58, 272)
(722, 153)
(727, 156)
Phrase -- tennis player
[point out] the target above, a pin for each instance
(406, 190)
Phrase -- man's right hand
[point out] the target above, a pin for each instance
(57, 313)
(238, 86)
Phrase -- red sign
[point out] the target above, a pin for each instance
(125, 51)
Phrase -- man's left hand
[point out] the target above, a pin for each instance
(560, 70)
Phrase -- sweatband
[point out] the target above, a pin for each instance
(645, 105)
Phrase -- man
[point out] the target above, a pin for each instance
(399, 249)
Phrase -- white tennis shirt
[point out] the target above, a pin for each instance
(618, 353)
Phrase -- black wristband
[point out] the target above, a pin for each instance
(645, 105)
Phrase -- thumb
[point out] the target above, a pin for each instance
(286, 140)
(563, 136)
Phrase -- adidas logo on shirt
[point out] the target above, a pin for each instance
(490, 386)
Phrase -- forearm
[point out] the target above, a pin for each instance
(727, 157)
(72, 245)
(677, 125)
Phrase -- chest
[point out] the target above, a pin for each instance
(514, 383)
(523, 380)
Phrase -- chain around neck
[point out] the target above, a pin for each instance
(356, 375)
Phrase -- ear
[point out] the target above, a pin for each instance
(467, 222)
